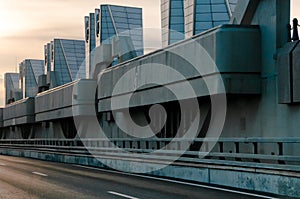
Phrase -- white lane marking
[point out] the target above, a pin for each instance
(179, 182)
(40, 174)
(122, 195)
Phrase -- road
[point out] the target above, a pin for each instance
(28, 178)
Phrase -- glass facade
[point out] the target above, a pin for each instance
(30, 70)
(209, 14)
(11, 82)
(110, 21)
(121, 21)
(176, 21)
(69, 56)
(191, 17)
(108, 29)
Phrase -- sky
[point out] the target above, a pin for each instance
(26, 25)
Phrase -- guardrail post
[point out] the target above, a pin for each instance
(221, 147)
(237, 150)
(255, 151)
(280, 152)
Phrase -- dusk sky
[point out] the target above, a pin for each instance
(26, 25)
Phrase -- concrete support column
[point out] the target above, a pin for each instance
(283, 18)
(272, 16)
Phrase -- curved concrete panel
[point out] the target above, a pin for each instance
(59, 102)
(233, 51)
(19, 112)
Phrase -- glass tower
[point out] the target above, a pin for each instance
(66, 58)
(48, 49)
(172, 21)
(90, 36)
(30, 70)
(191, 17)
(113, 21)
(121, 21)
(11, 83)
(209, 14)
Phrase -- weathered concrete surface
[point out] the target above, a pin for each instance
(285, 77)
(244, 12)
(229, 50)
(19, 112)
(296, 74)
(65, 101)
(281, 185)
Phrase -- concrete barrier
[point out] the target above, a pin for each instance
(282, 183)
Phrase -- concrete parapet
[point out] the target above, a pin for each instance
(65, 101)
(288, 73)
(230, 50)
(19, 112)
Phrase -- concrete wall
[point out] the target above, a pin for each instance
(247, 115)
(232, 51)
(253, 107)
(264, 116)
(261, 180)
(75, 98)
(19, 112)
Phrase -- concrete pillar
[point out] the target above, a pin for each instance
(272, 16)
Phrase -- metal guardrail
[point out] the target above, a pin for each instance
(143, 148)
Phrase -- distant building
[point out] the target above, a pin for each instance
(110, 21)
(12, 89)
(118, 21)
(48, 57)
(65, 58)
(172, 16)
(29, 71)
(90, 36)
(185, 18)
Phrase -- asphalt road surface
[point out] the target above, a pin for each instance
(28, 178)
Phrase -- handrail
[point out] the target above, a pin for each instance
(215, 158)
(245, 140)
(162, 147)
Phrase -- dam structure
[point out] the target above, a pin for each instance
(219, 106)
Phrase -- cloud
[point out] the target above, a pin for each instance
(48, 33)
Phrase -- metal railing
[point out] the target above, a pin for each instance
(274, 151)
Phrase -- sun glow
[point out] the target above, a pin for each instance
(10, 22)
